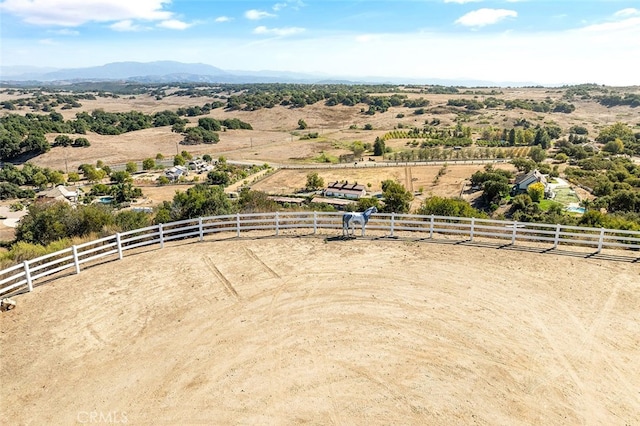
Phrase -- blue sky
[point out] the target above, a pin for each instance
(542, 41)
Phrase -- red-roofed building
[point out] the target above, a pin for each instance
(345, 190)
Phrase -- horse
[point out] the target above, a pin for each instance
(349, 220)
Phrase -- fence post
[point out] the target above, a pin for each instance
(237, 224)
(393, 222)
(315, 222)
(515, 230)
(556, 239)
(27, 275)
(277, 219)
(160, 231)
(200, 228)
(473, 221)
(600, 240)
(75, 258)
(119, 244)
(431, 226)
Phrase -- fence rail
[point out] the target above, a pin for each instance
(21, 277)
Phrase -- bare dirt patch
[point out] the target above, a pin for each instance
(306, 331)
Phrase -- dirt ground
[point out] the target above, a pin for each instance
(322, 331)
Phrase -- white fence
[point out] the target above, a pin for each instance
(22, 277)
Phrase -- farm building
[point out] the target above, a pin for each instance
(339, 204)
(288, 200)
(345, 190)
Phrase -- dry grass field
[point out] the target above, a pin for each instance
(311, 331)
(275, 137)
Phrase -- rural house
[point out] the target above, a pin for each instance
(59, 193)
(345, 190)
(175, 172)
(523, 182)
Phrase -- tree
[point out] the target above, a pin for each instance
(537, 154)
(81, 142)
(40, 180)
(255, 202)
(121, 177)
(615, 146)
(542, 138)
(366, 202)
(48, 222)
(302, 124)
(314, 182)
(536, 192)
(62, 140)
(618, 130)
(198, 201)
(94, 175)
(494, 190)
(131, 167)
(128, 220)
(218, 177)
(179, 126)
(512, 137)
(521, 202)
(179, 160)
(55, 177)
(396, 197)
(124, 192)
(208, 123)
(148, 164)
(451, 207)
(379, 146)
(358, 148)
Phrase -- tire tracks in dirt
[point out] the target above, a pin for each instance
(255, 257)
(409, 178)
(228, 287)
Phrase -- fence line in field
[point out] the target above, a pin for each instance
(21, 277)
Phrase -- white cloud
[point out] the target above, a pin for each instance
(625, 24)
(482, 17)
(126, 25)
(367, 38)
(256, 15)
(462, 1)
(174, 24)
(278, 31)
(627, 12)
(66, 32)
(279, 6)
(294, 4)
(47, 42)
(222, 19)
(72, 13)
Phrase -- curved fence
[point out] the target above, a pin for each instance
(22, 277)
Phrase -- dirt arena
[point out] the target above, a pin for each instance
(321, 331)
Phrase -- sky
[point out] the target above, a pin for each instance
(546, 42)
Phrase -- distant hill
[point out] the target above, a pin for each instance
(172, 71)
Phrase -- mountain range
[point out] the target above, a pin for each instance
(179, 72)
